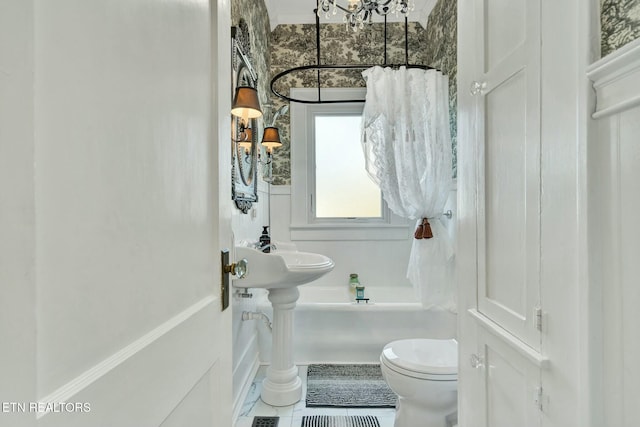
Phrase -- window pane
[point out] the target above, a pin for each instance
(343, 187)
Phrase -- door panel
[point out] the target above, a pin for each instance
(190, 411)
(510, 383)
(505, 193)
(505, 29)
(505, 401)
(508, 174)
(144, 382)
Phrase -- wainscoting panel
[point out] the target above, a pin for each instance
(616, 243)
(245, 370)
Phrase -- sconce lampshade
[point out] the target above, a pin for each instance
(271, 138)
(246, 103)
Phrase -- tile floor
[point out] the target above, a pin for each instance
(291, 416)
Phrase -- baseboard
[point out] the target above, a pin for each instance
(243, 375)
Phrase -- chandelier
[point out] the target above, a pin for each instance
(359, 12)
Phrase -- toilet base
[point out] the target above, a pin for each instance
(427, 393)
(410, 413)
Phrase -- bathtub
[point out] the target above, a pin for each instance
(329, 328)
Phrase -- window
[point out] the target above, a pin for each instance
(343, 188)
(332, 196)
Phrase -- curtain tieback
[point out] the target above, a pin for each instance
(423, 231)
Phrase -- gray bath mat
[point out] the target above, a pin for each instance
(348, 386)
(339, 421)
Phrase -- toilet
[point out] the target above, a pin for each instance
(424, 375)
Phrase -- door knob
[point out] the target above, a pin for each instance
(238, 269)
(477, 88)
(476, 361)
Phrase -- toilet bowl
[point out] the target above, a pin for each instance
(424, 375)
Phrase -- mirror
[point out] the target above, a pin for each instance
(244, 131)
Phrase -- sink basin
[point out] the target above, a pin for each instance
(280, 272)
(281, 268)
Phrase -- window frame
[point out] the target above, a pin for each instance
(304, 224)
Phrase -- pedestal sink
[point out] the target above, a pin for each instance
(280, 272)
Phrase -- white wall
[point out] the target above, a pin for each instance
(615, 237)
(377, 262)
(247, 227)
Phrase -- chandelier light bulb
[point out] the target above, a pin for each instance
(356, 12)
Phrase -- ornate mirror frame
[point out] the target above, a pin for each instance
(244, 176)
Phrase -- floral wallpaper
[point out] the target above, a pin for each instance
(441, 51)
(620, 23)
(257, 18)
(295, 45)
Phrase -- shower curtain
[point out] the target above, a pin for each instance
(407, 146)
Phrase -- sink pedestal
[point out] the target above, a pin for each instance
(282, 386)
(281, 272)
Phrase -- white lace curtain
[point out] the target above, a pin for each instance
(407, 145)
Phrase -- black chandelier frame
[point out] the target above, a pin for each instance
(319, 67)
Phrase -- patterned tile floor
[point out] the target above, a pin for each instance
(291, 416)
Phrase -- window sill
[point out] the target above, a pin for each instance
(355, 231)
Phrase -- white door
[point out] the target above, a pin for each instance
(112, 298)
(499, 212)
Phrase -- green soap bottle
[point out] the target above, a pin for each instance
(353, 283)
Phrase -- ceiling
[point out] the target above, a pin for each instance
(301, 12)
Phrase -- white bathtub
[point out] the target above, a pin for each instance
(330, 328)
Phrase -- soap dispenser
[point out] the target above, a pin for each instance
(265, 240)
(353, 284)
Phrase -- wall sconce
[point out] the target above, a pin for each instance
(245, 139)
(246, 105)
(271, 139)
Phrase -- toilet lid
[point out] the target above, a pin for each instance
(423, 356)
